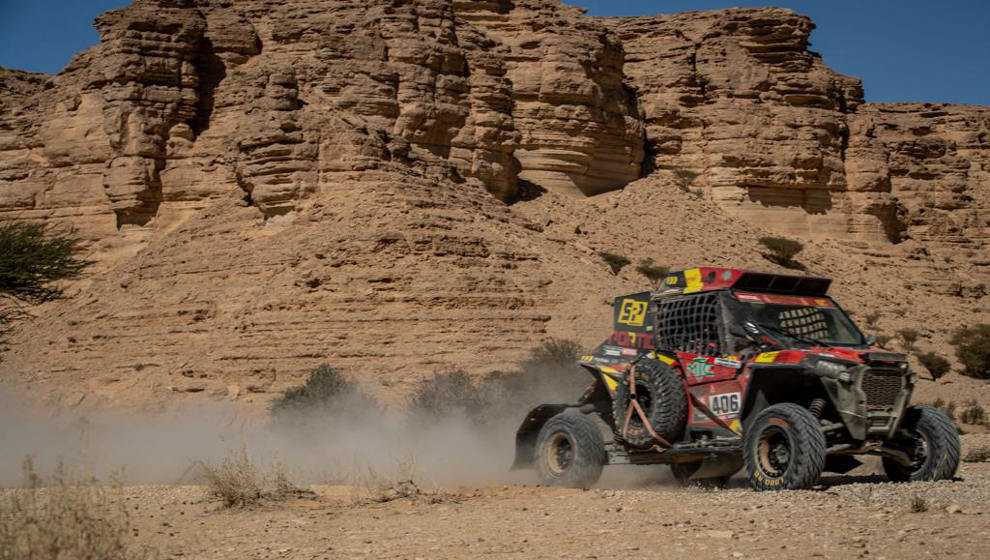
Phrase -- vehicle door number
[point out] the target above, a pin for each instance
(724, 404)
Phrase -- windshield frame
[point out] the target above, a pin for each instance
(743, 312)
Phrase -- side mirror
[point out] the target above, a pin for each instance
(747, 330)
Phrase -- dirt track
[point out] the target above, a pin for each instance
(850, 517)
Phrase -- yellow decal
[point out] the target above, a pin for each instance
(587, 358)
(632, 312)
(736, 426)
(692, 277)
(665, 359)
(610, 383)
(766, 357)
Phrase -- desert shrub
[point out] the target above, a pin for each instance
(977, 455)
(446, 393)
(548, 374)
(684, 178)
(65, 517)
(949, 408)
(936, 365)
(237, 482)
(918, 504)
(326, 393)
(782, 250)
(973, 414)
(33, 259)
(615, 261)
(653, 272)
(973, 350)
(872, 318)
(882, 339)
(556, 352)
(909, 336)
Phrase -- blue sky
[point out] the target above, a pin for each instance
(906, 50)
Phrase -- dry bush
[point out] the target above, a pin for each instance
(977, 455)
(615, 261)
(949, 408)
(882, 339)
(909, 336)
(407, 484)
(936, 365)
(872, 318)
(238, 483)
(782, 250)
(973, 350)
(973, 414)
(65, 517)
(918, 504)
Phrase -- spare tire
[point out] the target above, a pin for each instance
(663, 398)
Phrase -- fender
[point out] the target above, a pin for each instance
(530, 428)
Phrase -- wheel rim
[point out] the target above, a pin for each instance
(560, 454)
(644, 396)
(774, 451)
(918, 452)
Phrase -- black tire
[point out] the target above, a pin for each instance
(683, 471)
(570, 451)
(784, 448)
(661, 394)
(933, 447)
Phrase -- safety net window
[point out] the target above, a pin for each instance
(804, 321)
(690, 324)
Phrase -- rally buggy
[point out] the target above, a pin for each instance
(720, 369)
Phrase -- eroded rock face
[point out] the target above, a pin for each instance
(184, 102)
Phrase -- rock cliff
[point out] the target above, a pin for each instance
(404, 186)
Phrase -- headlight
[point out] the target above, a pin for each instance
(830, 369)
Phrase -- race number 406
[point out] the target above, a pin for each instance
(725, 403)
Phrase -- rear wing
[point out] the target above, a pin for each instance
(706, 279)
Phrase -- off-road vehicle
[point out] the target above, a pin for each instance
(720, 369)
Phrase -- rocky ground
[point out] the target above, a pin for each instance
(846, 517)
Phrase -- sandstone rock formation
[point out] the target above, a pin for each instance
(404, 186)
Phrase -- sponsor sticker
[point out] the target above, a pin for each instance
(632, 312)
(766, 357)
(728, 363)
(700, 368)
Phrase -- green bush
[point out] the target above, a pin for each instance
(782, 250)
(614, 261)
(34, 257)
(548, 374)
(325, 393)
(936, 365)
(973, 350)
(653, 273)
(446, 393)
